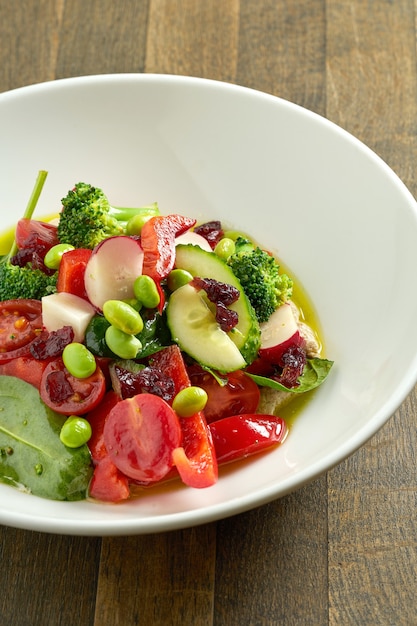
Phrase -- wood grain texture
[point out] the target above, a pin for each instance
(342, 550)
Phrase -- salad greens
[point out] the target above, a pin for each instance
(32, 456)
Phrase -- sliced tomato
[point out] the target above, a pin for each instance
(108, 483)
(240, 394)
(26, 368)
(239, 436)
(69, 395)
(97, 418)
(35, 233)
(71, 272)
(20, 324)
(140, 434)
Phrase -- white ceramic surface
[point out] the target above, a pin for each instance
(338, 216)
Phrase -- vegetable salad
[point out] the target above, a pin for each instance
(137, 347)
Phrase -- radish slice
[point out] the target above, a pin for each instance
(66, 309)
(279, 333)
(112, 269)
(194, 238)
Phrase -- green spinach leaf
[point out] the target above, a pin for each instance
(315, 372)
(32, 456)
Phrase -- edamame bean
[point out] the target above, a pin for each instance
(78, 360)
(177, 278)
(225, 248)
(75, 432)
(54, 255)
(123, 316)
(123, 345)
(189, 401)
(146, 291)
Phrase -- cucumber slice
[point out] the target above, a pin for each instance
(194, 328)
(246, 335)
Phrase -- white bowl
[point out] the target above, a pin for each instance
(334, 212)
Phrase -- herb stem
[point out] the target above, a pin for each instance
(31, 205)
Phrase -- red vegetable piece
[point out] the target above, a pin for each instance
(97, 418)
(69, 395)
(196, 459)
(35, 234)
(26, 368)
(239, 436)
(240, 394)
(108, 483)
(20, 324)
(140, 434)
(158, 243)
(71, 272)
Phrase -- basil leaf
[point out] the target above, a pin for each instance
(315, 372)
(32, 456)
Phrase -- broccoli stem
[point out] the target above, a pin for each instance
(31, 205)
(123, 214)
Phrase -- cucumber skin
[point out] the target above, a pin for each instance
(198, 262)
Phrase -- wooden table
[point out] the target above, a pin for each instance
(342, 550)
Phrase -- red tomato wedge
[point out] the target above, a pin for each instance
(20, 324)
(140, 434)
(239, 436)
(69, 395)
(240, 394)
(71, 272)
(108, 483)
(196, 459)
(158, 242)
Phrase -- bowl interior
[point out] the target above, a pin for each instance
(339, 218)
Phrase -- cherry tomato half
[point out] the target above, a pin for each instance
(140, 434)
(240, 394)
(20, 324)
(69, 395)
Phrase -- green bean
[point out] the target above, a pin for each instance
(189, 401)
(122, 344)
(177, 278)
(123, 316)
(53, 257)
(78, 360)
(225, 248)
(75, 432)
(146, 291)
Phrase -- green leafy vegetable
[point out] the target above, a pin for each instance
(315, 372)
(32, 456)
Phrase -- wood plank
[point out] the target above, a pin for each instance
(194, 38)
(102, 36)
(272, 562)
(41, 578)
(32, 60)
(158, 579)
(282, 50)
(372, 496)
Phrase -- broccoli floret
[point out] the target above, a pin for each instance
(24, 282)
(87, 218)
(258, 273)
